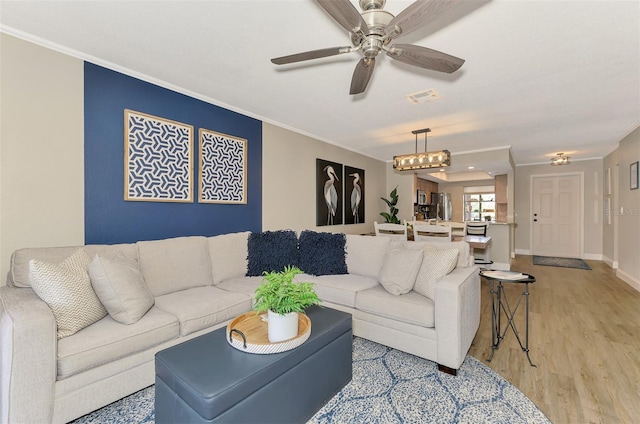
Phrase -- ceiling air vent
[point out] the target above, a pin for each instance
(423, 96)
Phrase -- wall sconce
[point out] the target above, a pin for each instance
(423, 160)
(560, 159)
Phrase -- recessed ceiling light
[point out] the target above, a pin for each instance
(471, 167)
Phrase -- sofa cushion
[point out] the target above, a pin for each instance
(228, 256)
(435, 265)
(411, 308)
(107, 340)
(19, 268)
(246, 285)
(121, 288)
(339, 289)
(464, 256)
(399, 271)
(66, 288)
(271, 251)
(365, 254)
(203, 307)
(322, 253)
(175, 264)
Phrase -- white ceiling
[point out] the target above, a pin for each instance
(540, 76)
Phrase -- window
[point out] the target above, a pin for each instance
(479, 206)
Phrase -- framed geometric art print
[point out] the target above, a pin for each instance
(223, 168)
(158, 159)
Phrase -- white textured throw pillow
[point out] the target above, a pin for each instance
(67, 290)
(435, 265)
(398, 273)
(121, 288)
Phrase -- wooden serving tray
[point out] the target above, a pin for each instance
(256, 337)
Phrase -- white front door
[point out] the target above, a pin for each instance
(556, 215)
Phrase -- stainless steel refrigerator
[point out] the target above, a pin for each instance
(443, 207)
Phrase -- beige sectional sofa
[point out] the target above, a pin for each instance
(199, 284)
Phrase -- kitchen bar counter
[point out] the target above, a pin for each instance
(499, 250)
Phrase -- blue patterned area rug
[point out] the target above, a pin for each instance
(560, 262)
(388, 386)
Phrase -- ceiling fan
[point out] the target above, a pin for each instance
(374, 30)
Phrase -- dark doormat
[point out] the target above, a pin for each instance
(560, 262)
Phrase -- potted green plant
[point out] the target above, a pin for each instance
(391, 216)
(283, 299)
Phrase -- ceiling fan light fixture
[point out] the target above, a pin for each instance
(374, 30)
(423, 160)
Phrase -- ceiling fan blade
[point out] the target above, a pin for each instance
(425, 58)
(418, 14)
(362, 75)
(313, 54)
(345, 14)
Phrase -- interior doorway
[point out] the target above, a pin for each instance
(556, 215)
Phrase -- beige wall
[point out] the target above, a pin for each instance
(41, 148)
(591, 171)
(628, 235)
(289, 181)
(404, 180)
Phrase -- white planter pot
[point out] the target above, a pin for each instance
(282, 327)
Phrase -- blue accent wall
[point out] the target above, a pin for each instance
(108, 217)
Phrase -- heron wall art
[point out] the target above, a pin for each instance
(354, 191)
(329, 193)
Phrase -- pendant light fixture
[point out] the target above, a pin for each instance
(560, 159)
(424, 160)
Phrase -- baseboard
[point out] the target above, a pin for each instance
(592, 256)
(633, 282)
(613, 264)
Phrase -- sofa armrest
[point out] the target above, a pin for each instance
(457, 314)
(28, 346)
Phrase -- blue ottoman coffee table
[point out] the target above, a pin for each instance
(206, 380)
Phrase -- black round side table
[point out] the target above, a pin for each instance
(500, 303)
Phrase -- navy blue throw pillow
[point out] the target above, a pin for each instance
(271, 251)
(322, 253)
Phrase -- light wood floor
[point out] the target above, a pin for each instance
(584, 336)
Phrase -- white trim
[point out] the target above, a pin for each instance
(613, 264)
(628, 279)
(523, 252)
